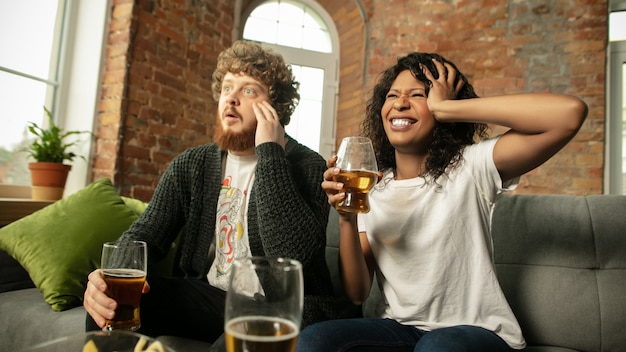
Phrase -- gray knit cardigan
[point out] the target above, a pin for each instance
(287, 215)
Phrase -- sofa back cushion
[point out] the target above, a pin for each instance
(332, 261)
(561, 261)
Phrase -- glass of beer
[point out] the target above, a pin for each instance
(124, 268)
(359, 173)
(264, 305)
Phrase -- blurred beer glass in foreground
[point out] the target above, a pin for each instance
(264, 305)
(357, 162)
(124, 268)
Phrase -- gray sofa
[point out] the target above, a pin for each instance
(561, 261)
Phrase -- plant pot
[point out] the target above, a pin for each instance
(48, 180)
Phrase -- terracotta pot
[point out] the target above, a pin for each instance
(48, 180)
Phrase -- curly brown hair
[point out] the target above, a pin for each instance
(264, 65)
(448, 139)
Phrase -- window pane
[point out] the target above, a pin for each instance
(26, 35)
(261, 30)
(305, 125)
(288, 24)
(312, 21)
(313, 88)
(22, 101)
(316, 40)
(289, 35)
(268, 11)
(290, 14)
(617, 26)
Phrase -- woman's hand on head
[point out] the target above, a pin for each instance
(444, 87)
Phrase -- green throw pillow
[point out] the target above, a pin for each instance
(61, 244)
(135, 205)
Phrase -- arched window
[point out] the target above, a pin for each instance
(305, 35)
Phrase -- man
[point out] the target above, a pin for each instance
(255, 191)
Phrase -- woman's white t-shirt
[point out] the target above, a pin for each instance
(434, 249)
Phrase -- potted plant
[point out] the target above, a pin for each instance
(50, 150)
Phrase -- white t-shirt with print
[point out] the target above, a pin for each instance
(434, 249)
(231, 230)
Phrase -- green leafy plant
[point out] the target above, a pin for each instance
(49, 144)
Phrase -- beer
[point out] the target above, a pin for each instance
(356, 185)
(125, 286)
(261, 334)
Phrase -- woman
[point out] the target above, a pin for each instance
(426, 237)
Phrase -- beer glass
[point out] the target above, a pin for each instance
(264, 305)
(124, 268)
(357, 162)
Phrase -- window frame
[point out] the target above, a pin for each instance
(614, 177)
(81, 66)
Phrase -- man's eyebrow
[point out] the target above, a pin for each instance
(244, 82)
(253, 83)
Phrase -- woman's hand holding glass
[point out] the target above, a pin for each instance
(353, 173)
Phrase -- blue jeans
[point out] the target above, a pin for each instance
(387, 335)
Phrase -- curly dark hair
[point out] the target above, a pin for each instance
(264, 65)
(448, 139)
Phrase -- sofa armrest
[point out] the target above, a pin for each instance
(12, 275)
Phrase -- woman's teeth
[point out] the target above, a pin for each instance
(400, 122)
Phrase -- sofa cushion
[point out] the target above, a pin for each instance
(561, 262)
(60, 244)
(26, 320)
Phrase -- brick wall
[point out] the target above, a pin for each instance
(156, 99)
(160, 54)
(350, 18)
(504, 47)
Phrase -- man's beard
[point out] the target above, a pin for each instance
(234, 141)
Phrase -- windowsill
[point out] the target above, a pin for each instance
(12, 209)
(15, 203)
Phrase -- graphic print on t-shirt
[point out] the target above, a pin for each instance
(230, 241)
(231, 226)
